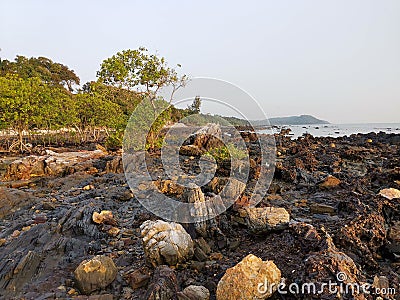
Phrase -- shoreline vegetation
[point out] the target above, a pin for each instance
(71, 227)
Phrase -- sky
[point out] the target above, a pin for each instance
(337, 60)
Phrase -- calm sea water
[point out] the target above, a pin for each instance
(336, 130)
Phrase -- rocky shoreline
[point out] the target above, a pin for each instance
(70, 227)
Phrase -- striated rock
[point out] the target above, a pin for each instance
(104, 217)
(265, 219)
(248, 279)
(329, 182)
(390, 193)
(96, 273)
(163, 286)
(166, 243)
(194, 292)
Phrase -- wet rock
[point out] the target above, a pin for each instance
(390, 193)
(163, 285)
(265, 219)
(96, 273)
(243, 280)
(166, 243)
(329, 182)
(194, 292)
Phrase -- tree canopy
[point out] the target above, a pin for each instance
(43, 68)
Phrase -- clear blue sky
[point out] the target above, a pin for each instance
(338, 60)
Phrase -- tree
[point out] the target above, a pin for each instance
(44, 68)
(95, 110)
(194, 108)
(140, 71)
(29, 103)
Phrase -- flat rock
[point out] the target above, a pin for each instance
(329, 182)
(390, 193)
(265, 219)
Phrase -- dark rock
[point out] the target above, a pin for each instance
(163, 285)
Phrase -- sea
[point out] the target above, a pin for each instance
(336, 130)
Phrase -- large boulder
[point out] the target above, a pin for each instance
(250, 279)
(96, 273)
(166, 243)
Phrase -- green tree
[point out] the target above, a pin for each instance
(95, 111)
(29, 103)
(137, 70)
(194, 108)
(44, 68)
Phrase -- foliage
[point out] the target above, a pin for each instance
(144, 126)
(29, 103)
(43, 68)
(226, 152)
(194, 108)
(136, 69)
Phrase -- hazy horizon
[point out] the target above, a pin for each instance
(338, 61)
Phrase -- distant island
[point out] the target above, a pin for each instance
(293, 120)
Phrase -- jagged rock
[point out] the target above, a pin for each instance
(329, 182)
(390, 193)
(166, 243)
(208, 137)
(265, 219)
(194, 292)
(163, 285)
(96, 273)
(332, 265)
(243, 280)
